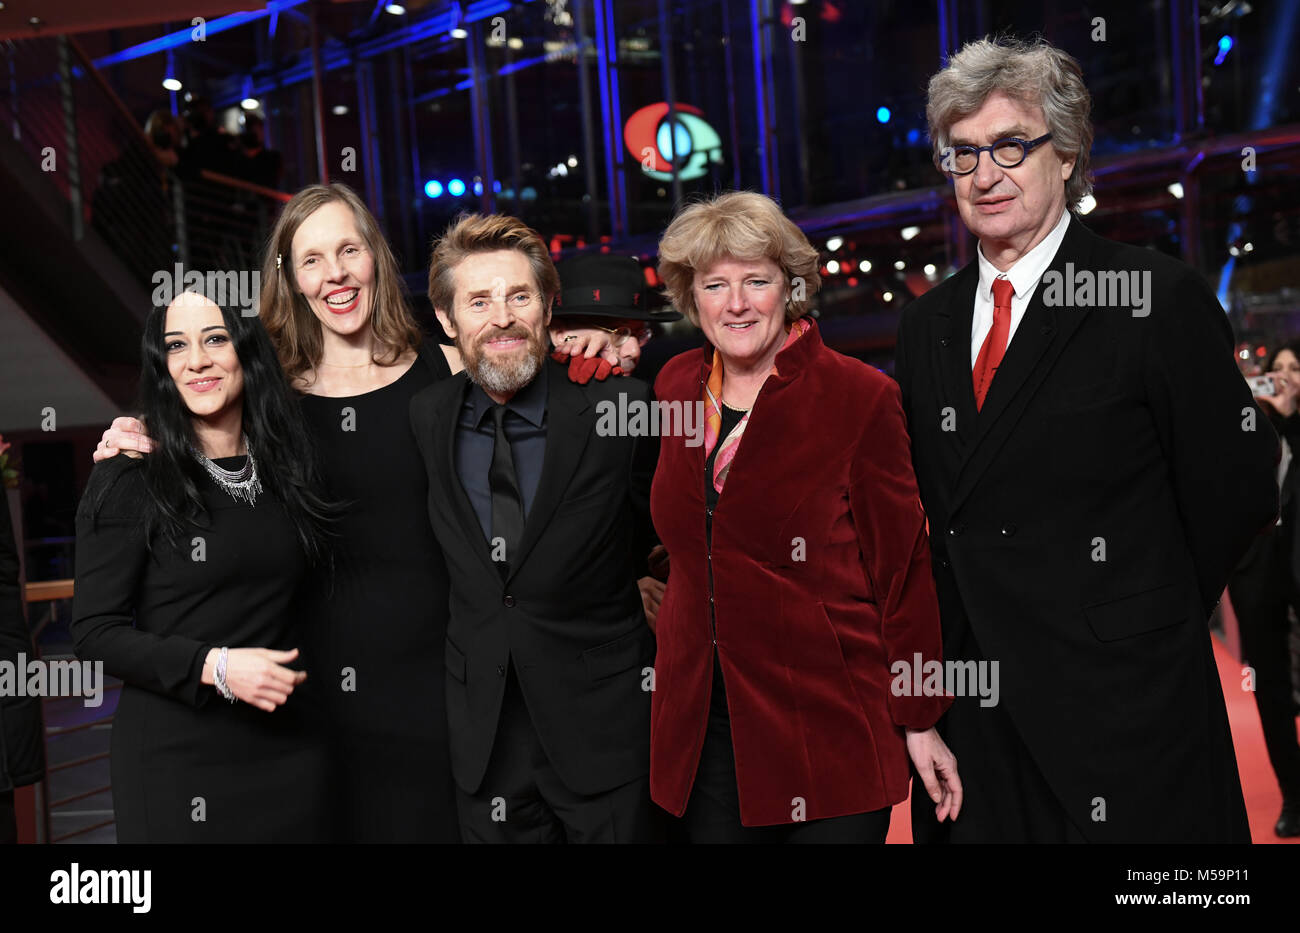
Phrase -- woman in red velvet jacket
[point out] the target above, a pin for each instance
(801, 597)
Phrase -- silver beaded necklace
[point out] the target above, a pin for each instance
(241, 484)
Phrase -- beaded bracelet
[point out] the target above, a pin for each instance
(223, 688)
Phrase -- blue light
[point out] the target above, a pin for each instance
(455, 187)
(883, 114)
(496, 186)
(1225, 46)
(478, 187)
(433, 188)
(184, 36)
(913, 136)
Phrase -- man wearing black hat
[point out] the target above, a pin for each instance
(608, 292)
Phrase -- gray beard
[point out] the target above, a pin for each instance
(503, 378)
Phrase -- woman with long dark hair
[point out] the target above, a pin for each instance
(187, 564)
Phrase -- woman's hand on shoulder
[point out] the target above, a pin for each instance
(588, 351)
(124, 435)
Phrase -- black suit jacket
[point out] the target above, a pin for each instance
(569, 616)
(1085, 522)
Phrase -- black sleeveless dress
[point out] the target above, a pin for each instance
(377, 625)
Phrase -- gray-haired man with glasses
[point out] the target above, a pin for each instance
(1092, 466)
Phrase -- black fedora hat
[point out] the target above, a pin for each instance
(607, 285)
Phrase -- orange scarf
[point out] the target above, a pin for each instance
(713, 411)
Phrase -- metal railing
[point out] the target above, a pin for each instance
(113, 178)
(53, 592)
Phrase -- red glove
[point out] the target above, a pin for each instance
(582, 370)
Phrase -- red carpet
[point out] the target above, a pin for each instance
(1263, 799)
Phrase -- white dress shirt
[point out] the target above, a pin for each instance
(1024, 276)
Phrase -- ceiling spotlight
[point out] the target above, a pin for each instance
(172, 84)
(1087, 204)
(864, 266)
(515, 42)
(888, 296)
(930, 268)
(832, 267)
(834, 243)
(459, 33)
(908, 233)
(396, 9)
(250, 103)
(900, 265)
(573, 161)
(1176, 189)
(339, 110)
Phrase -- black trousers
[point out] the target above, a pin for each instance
(1261, 594)
(523, 800)
(713, 811)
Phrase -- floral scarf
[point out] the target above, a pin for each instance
(713, 411)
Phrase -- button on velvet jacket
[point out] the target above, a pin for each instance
(821, 581)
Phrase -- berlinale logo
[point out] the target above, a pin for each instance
(651, 138)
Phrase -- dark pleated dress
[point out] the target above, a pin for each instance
(186, 765)
(378, 623)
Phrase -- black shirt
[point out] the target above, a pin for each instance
(525, 427)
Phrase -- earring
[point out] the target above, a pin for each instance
(277, 262)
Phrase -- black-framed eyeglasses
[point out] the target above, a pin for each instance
(1008, 153)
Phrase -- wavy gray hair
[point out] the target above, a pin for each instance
(1034, 73)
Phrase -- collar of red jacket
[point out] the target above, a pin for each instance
(790, 362)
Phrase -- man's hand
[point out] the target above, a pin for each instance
(937, 767)
(652, 596)
(124, 435)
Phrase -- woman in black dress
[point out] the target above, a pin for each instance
(187, 563)
(334, 305)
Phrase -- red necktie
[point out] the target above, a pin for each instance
(995, 344)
